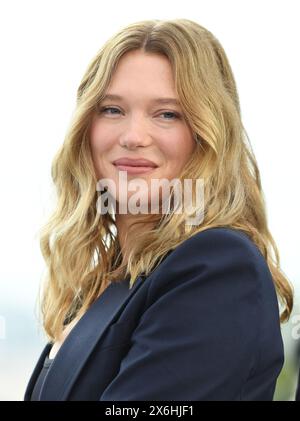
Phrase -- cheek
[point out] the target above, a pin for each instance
(101, 137)
(180, 152)
(97, 145)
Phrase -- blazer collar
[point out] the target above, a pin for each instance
(36, 372)
(81, 341)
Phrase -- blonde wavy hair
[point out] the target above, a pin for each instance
(81, 246)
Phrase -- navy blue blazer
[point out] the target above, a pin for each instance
(297, 397)
(204, 325)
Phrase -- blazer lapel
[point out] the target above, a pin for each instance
(36, 372)
(82, 339)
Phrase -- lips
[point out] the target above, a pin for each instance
(129, 162)
(134, 166)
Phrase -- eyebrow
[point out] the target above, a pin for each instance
(164, 100)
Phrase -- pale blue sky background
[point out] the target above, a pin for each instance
(45, 49)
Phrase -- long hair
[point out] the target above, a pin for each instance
(81, 246)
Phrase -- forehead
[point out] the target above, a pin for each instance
(148, 73)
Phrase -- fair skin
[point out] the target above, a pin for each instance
(150, 130)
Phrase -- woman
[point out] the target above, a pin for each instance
(146, 306)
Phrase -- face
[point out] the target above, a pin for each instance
(151, 130)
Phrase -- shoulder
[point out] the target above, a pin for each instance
(221, 259)
(221, 277)
(216, 242)
(215, 245)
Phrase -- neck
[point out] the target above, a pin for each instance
(125, 236)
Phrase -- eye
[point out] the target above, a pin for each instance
(115, 111)
(104, 109)
(170, 113)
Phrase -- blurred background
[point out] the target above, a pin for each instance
(45, 49)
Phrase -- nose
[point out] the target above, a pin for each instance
(135, 134)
